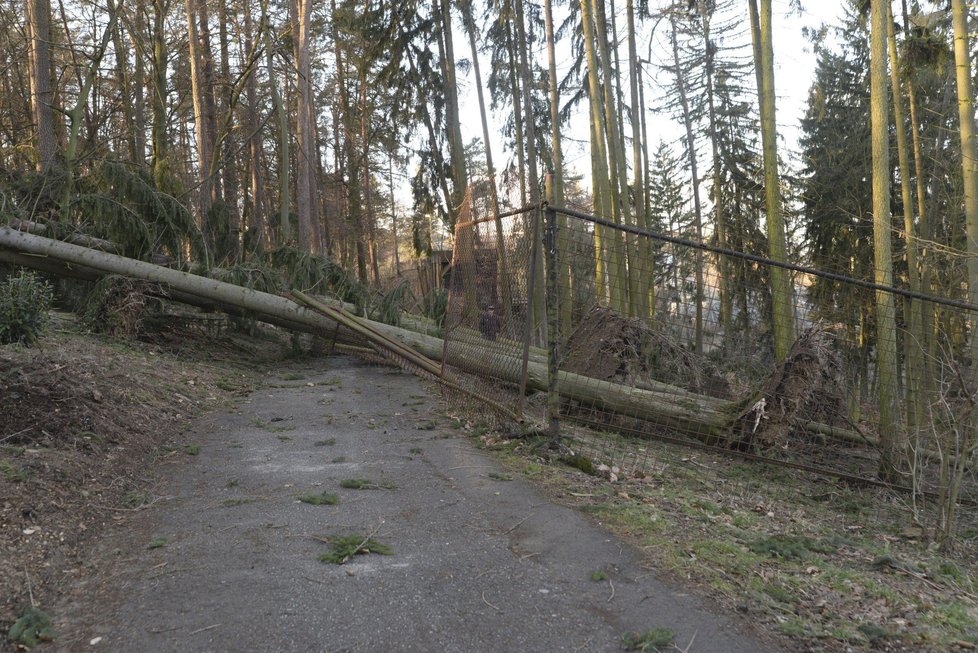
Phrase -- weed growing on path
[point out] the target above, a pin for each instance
(322, 499)
(347, 546)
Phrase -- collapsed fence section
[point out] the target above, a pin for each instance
(624, 330)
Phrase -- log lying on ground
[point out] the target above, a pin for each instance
(702, 417)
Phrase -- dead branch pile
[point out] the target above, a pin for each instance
(609, 346)
(805, 387)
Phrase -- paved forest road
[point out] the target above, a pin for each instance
(479, 563)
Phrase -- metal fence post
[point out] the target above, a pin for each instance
(553, 311)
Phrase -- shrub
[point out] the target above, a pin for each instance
(25, 304)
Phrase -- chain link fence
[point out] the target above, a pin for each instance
(616, 337)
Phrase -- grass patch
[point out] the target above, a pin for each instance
(192, 449)
(31, 628)
(156, 543)
(583, 463)
(648, 641)
(416, 450)
(496, 476)
(328, 442)
(322, 499)
(339, 459)
(347, 546)
(283, 438)
(598, 576)
(790, 547)
(365, 484)
(293, 376)
(12, 473)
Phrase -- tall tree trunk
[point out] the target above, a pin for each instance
(139, 75)
(694, 173)
(306, 207)
(158, 91)
(723, 268)
(915, 338)
(42, 94)
(354, 210)
(625, 252)
(891, 436)
(125, 83)
(644, 265)
(564, 276)
(200, 91)
(969, 153)
(532, 160)
(257, 218)
(229, 164)
(284, 222)
(781, 293)
(603, 288)
(515, 91)
(501, 246)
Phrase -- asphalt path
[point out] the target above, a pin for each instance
(480, 562)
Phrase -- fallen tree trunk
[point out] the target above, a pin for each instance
(702, 417)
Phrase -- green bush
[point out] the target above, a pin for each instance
(25, 302)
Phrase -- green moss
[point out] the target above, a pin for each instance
(583, 463)
(31, 628)
(156, 543)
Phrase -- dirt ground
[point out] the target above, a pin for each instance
(92, 427)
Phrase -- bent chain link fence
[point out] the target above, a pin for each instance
(662, 338)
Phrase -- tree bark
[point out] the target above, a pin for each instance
(781, 292)
(891, 435)
(42, 94)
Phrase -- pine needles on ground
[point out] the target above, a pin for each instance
(347, 546)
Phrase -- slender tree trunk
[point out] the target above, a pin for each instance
(915, 338)
(891, 436)
(519, 132)
(501, 247)
(139, 75)
(306, 208)
(723, 268)
(781, 293)
(694, 173)
(284, 222)
(126, 86)
(42, 94)
(199, 90)
(625, 251)
(158, 91)
(644, 265)
(604, 287)
(564, 276)
(969, 154)
(257, 219)
(229, 164)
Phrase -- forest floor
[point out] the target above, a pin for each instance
(145, 484)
